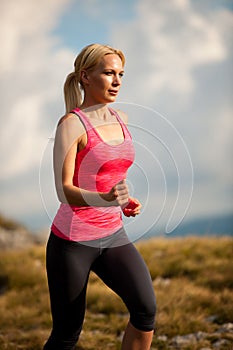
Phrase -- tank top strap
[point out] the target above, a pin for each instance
(83, 119)
(89, 127)
(123, 125)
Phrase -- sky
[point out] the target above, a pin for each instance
(177, 91)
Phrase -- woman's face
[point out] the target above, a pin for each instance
(103, 83)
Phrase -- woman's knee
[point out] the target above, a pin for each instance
(143, 316)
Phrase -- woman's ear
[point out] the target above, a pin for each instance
(84, 77)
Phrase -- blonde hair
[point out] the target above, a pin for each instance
(88, 58)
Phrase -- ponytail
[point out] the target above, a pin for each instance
(72, 92)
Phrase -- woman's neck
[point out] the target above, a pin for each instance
(99, 111)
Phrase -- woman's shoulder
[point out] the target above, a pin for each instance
(70, 124)
(68, 117)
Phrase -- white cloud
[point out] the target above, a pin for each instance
(32, 69)
(166, 42)
(217, 145)
(175, 56)
(24, 27)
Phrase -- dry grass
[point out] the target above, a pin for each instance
(192, 279)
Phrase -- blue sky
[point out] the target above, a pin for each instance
(177, 91)
(81, 22)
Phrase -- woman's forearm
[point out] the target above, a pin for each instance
(79, 197)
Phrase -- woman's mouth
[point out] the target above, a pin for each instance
(113, 92)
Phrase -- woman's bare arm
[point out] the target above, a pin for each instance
(69, 134)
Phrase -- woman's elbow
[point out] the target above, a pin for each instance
(61, 194)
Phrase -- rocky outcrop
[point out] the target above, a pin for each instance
(14, 235)
(221, 339)
(16, 238)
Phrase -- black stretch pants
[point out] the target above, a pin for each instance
(122, 269)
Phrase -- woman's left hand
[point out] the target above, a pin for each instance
(132, 208)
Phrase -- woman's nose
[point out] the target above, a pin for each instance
(117, 80)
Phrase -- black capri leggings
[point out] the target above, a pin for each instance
(121, 268)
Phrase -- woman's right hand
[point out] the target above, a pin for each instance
(119, 194)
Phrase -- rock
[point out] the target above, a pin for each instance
(220, 343)
(184, 340)
(226, 328)
(15, 238)
(218, 340)
(162, 338)
(211, 319)
(159, 281)
(201, 335)
(14, 235)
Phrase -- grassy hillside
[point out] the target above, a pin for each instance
(192, 278)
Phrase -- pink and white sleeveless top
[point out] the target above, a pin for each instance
(98, 167)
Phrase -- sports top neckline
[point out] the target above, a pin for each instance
(79, 112)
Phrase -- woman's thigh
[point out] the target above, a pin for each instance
(68, 268)
(68, 265)
(125, 272)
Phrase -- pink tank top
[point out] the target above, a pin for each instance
(98, 167)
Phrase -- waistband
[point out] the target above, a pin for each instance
(117, 239)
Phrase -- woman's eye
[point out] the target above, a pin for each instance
(112, 73)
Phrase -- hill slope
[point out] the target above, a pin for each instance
(193, 283)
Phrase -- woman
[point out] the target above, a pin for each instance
(92, 153)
